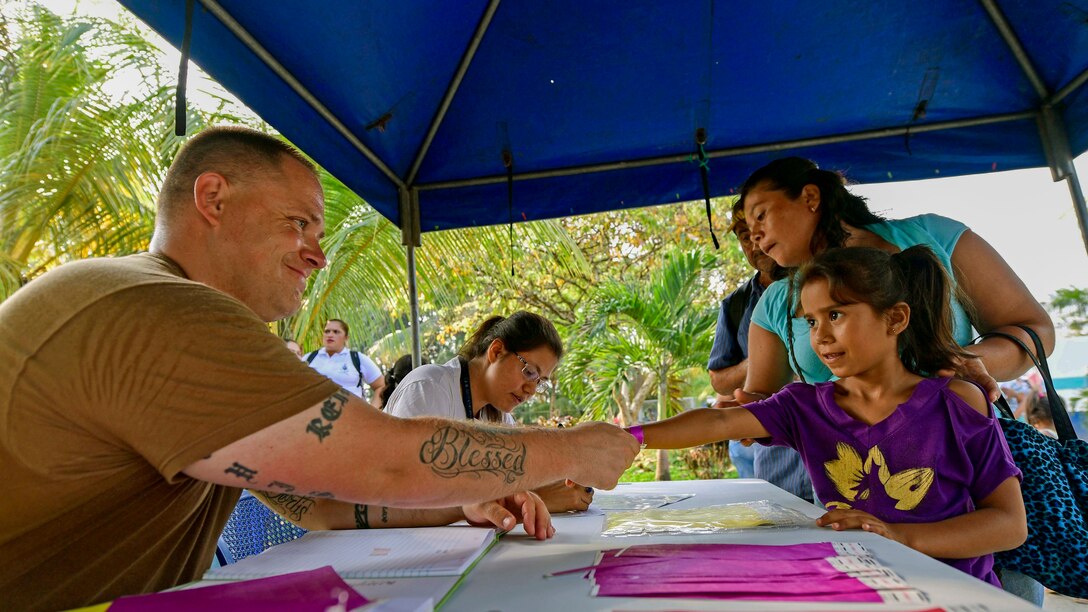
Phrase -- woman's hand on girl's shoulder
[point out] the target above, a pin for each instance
(974, 370)
(970, 394)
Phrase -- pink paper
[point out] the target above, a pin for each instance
(799, 572)
(312, 590)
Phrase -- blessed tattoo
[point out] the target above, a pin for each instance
(453, 451)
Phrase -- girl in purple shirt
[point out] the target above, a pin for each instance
(919, 460)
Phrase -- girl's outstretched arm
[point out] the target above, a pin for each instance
(999, 523)
(703, 426)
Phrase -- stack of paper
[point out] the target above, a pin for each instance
(841, 572)
(377, 553)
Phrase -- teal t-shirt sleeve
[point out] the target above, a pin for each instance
(770, 310)
(943, 232)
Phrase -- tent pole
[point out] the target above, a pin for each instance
(1060, 158)
(410, 237)
(735, 151)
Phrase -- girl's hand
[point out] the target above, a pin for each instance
(842, 519)
(974, 370)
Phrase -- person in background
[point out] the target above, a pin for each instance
(892, 451)
(504, 363)
(120, 471)
(728, 366)
(401, 367)
(293, 347)
(1039, 415)
(348, 368)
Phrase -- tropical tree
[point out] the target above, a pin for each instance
(82, 151)
(639, 337)
(1071, 304)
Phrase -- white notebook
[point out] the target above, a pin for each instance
(369, 553)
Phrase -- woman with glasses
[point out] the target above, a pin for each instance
(505, 362)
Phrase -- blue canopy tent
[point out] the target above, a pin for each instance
(447, 114)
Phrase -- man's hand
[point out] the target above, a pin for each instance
(842, 519)
(565, 496)
(525, 507)
(603, 452)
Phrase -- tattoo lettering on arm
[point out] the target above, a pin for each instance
(361, 520)
(331, 410)
(283, 486)
(294, 506)
(241, 471)
(455, 450)
(325, 494)
(385, 514)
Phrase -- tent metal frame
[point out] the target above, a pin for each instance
(1047, 115)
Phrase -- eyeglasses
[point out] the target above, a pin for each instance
(532, 374)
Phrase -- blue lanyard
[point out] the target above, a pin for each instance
(466, 390)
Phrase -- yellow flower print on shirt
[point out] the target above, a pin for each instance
(908, 487)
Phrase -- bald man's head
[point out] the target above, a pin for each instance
(240, 154)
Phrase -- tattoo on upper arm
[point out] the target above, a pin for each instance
(294, 506)
(241, 471)
(331, 409)
(385, 514)
(454, 450)
(325, 494)
(361, 520)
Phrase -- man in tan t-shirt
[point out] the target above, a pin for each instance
(139, 394)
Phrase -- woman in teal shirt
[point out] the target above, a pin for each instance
(795, 210)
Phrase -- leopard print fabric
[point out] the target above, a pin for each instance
(1055, 489)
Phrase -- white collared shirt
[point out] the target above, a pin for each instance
(339, 368)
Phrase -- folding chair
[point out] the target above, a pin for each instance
(251, 529)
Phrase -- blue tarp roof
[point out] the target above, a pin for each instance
(621, 86)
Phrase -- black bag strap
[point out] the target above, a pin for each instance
(1062, 424)
(310, 356)
(355, 361)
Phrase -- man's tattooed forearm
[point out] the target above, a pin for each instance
(331, 410)
(241, 471)
(361, 520)
(455, 450)
(294, 506)
(282, 486)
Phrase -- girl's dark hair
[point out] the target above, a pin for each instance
(521, 331)
(400, 369)
(837, 204)
(1039, 409)
(914, 276)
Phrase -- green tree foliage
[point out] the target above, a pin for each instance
(81, 156)
(1071, 304)
(641, 338)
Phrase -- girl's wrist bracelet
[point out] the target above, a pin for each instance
(636, 431)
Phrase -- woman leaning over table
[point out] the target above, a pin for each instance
(795, 210)
(505, 362)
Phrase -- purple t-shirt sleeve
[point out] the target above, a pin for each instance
(992, 458)
(777, 414)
